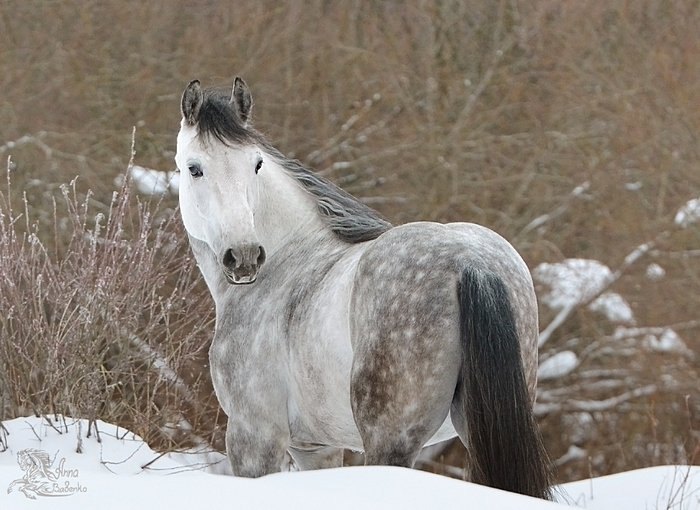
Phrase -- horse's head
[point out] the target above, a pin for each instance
(219, 161)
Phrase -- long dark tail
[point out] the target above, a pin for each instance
(504, 444)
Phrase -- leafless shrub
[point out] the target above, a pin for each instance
(103, 317)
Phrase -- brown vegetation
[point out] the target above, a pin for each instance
(491, 112)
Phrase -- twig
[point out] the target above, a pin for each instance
(160, 456)
(92, 422)
(3, 437)
(133, 150)
(38, 141)
(479, 90)
(79, 448)
(576, 193)
(163, 368)
(383, 200)
(51, 424)
(560, 319)
(678, 490)
(594, 405)
(334, 144)
(32, 429)
(109, 462)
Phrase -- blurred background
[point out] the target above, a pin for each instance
(571, 128)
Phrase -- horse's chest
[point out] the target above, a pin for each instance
(297, 343)
(247, 365)
(222, 372)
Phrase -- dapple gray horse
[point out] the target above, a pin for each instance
(336, 330)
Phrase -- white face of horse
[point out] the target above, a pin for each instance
(219, 193)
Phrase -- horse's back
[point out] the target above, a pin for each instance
(428, 253)
(461, 243)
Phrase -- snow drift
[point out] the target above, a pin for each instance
(114, 468)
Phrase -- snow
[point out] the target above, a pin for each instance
(655, 272)
(110, 474)
(557, 365)
(688, 214)
(572, 454)
(614, 307)
(152, 182)
(571, 281)
(662, 487)
(668, 341)
(659, 339)
(575, 281)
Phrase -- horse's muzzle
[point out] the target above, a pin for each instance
(241, 264)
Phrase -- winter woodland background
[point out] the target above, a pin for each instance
(571, 128)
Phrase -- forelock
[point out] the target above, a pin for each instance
(217, 120)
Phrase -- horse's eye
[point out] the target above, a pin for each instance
(195, 169)
(258, 166)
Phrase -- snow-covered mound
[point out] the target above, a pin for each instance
(558, 365)
(688, 214)
(661, 487)
(152, 182)
(54, 464)
(572, 282)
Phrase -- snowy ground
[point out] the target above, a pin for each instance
(40, 461)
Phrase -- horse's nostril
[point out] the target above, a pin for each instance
(261, 256)
(229, 260)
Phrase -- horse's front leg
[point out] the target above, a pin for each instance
(256, 447)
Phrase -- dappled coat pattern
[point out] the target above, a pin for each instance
(336, 330)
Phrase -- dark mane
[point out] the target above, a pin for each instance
(348, 218)
(218, 120)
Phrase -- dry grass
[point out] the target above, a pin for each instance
(103, 316)
(490, 112)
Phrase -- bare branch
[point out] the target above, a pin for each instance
(594, 405)
(576, 193)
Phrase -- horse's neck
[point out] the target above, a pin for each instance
(285, 212)
(210, 268)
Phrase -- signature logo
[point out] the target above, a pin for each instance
(43, 478)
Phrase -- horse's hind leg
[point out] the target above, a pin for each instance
(399, 400)
(316, 457)
(393, 431)
(406, 350)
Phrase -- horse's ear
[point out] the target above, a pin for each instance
(191, 102)
(241, 100)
